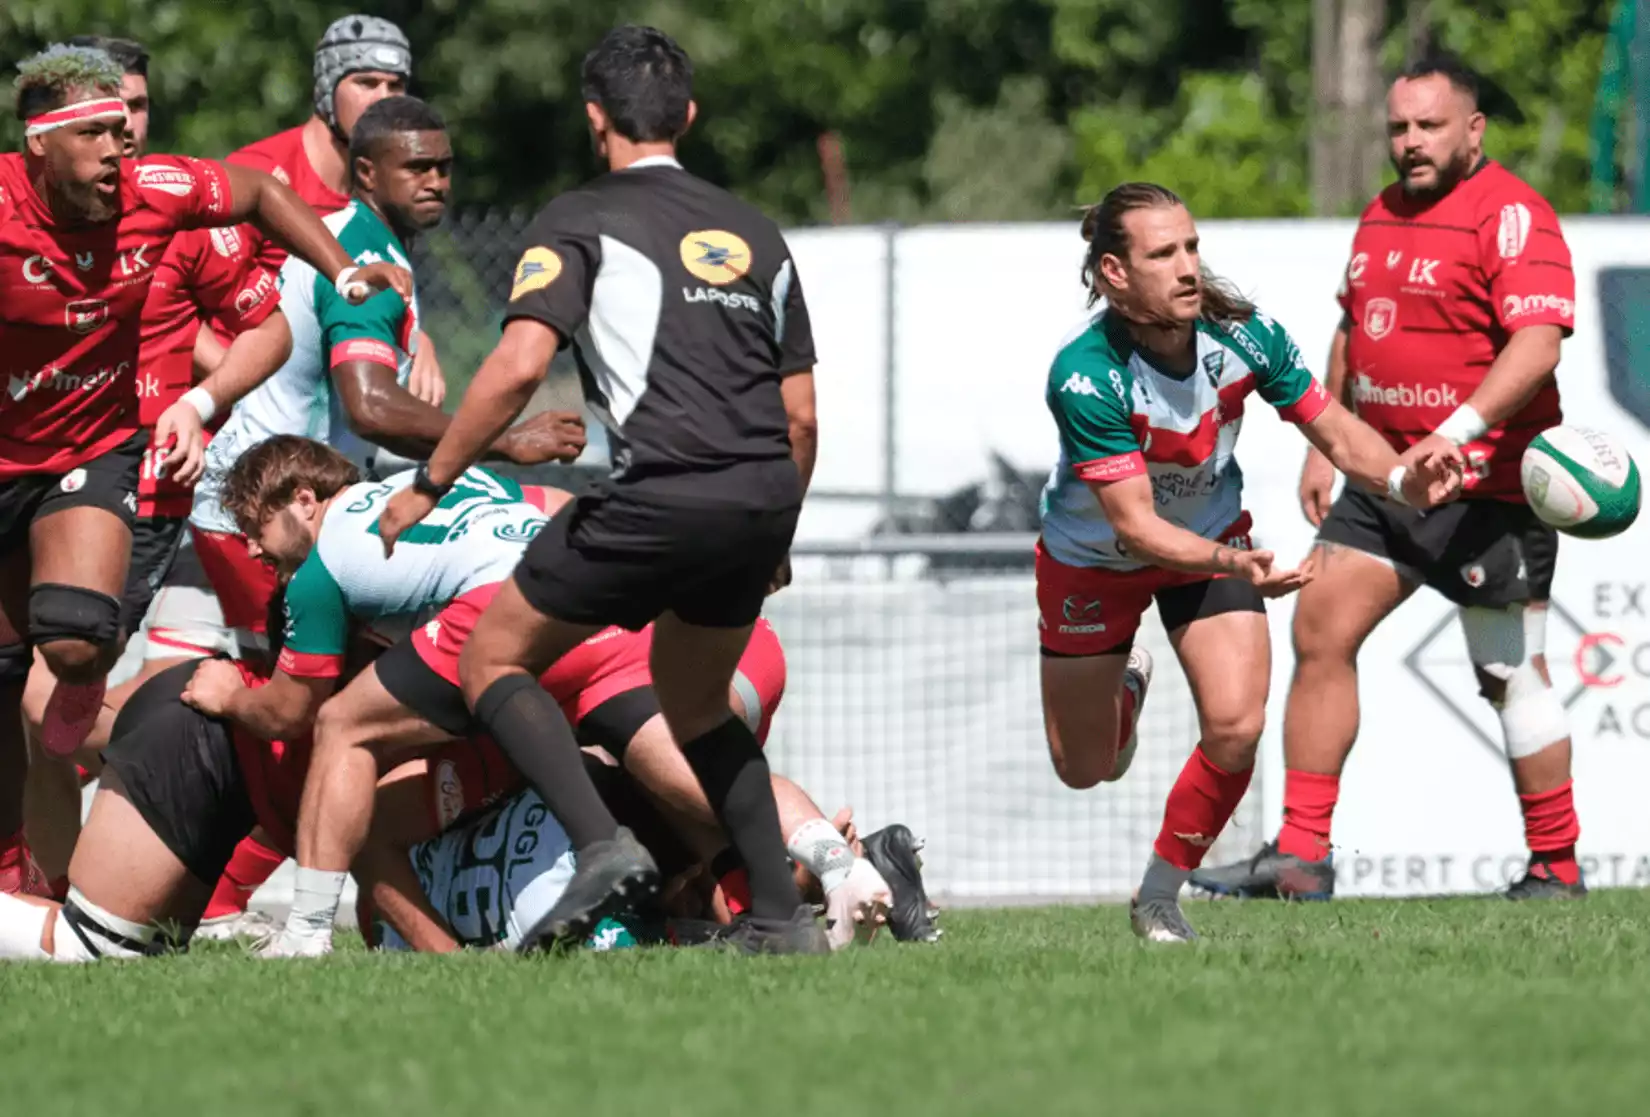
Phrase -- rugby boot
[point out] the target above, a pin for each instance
(608, 877)
(893, 851)
(800, 934)
(1539, 883)
(1160, 920)
(1269, 875)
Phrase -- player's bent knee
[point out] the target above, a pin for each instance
(75, 628)
(1506, 646)
(1233, 736)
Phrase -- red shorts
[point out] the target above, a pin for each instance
(244, 585)
(1089, 610)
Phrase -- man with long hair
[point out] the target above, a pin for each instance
(1146, 503)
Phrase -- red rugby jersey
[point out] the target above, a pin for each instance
(282, 155)
(71, 299)
(1433, 291)
(206, 275)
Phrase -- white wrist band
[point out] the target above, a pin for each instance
(1395, 485)
(201, 400)
(1463, 425)
(346, 280)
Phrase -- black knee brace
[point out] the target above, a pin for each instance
(14, 663)
(58, 612)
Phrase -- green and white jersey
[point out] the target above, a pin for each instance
(1120, 416)
(473, 538)
(493, 878)
(326, 332)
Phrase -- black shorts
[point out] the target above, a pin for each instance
(155, 543)
(415, 685)
(617, 558)
(1482, 553)
(108, 482)
(180, 771)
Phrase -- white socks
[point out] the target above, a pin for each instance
(817, 847)
(315, 896)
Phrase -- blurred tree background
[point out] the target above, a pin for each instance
(940, 110)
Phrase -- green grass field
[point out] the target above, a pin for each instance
(1457, 1007)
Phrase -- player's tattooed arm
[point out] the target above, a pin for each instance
(1131, 509)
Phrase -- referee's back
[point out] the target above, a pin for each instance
(683, 309)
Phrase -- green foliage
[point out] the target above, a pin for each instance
(946, 109)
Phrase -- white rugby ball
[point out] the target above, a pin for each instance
(1581, 481)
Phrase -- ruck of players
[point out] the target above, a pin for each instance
(365, 651)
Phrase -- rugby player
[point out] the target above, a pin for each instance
(359, 61)
(81, 232)
(683, 305)
(1146, 504)
(1455, 305)
(350, 355)
(205, 275)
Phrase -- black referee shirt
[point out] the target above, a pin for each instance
(682, 307)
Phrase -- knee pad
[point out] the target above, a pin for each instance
(15, 660)
(1503, 643)
(58, 612)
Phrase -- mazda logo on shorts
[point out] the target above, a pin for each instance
(1080, 610)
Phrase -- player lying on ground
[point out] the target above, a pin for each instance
(83, 228)
(1457, 298)
(206, 276)
(1146, 504)
(181, 789)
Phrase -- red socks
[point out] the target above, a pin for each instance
(1551, 829)
(252, 864)
(1198, 809)
(1308, 806)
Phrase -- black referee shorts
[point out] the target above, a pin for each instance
(617, 558)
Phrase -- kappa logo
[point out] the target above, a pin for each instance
(1202, 841)
(130, 501)
(1514, 233)
(1380, 315)
(168, 180)
(716, 256)
(537, 269)
(432, 633)
(1078, 384)
(84, 316)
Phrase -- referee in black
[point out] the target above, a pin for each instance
(683, 310)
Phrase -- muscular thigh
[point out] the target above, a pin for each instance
(1228, 662)
(83, 546)
(365, 713)
(1351, 593)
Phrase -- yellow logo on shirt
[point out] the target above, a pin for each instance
(715, 256)
(538, 269)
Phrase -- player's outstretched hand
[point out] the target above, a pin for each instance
(1317, 486)
(373, 278)
(549, 436)
(1436, 469)
(213, 685)
(406, 508)
(180, 432)
(1260, 568)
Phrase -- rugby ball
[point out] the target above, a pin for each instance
(1581, 481)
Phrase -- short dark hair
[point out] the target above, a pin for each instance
(129, 54)
(642, 80)
(266, 478)
(391, 117)
(1460, 76)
